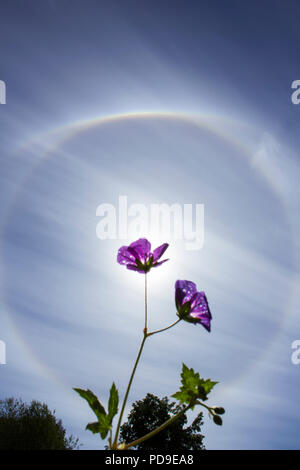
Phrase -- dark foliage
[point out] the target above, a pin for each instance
(31, 427)
(151, 412)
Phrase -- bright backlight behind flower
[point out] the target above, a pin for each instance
(138, 256)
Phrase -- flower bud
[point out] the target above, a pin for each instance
(218, 410)
(218, 420)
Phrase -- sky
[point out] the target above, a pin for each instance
(164, 103)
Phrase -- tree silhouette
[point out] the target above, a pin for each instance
(151, 412)
(31, 427)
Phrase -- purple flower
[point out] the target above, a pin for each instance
(192, 306)
(138, 256)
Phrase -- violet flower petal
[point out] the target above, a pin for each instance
(124, 256)
(159, 251)
(200, 309)
(140, 249)
(199, 303)
(133, 267)
(159, 263)
(184, 291)
(203, 320)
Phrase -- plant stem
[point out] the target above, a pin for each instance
(157, 430)
(146, 306)
(198, 402)
(134, 367)
(164, 329)
(128, 389)
(146, 334)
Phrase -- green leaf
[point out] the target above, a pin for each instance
(193, 387)
(189, 379)
(94, 427)
(104, 420)
(92, 400)
(181, 396)
(208, 385)
(204, 387)
(113, 402)
(104, 425)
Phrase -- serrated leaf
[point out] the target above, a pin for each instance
(201, 393)
(193, 386)
(113, 402)
(189, 379)
(181, 396)
(208, 385)
(92, 400)
(94, 427)
(104, 425)
(205, 386)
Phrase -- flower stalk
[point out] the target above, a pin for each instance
(191, 306)
(128, 390)
(164, 329)
(146, 306)
(146, 335)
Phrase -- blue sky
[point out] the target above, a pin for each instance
(164, 102)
